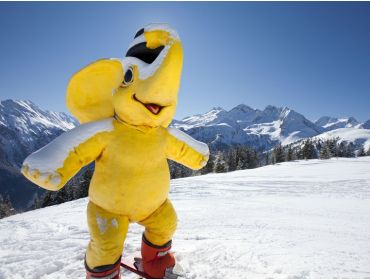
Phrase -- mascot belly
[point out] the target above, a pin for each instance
(125, 107)
(131, 176)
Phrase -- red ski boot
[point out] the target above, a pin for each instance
(112, 271)
(157, 261)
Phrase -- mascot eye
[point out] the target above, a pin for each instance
(128, 78)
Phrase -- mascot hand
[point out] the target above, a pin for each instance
(50, 181)
(205, 161)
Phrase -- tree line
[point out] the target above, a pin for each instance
(315, 149)
(234, 158)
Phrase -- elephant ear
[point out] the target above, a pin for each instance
(90, 90)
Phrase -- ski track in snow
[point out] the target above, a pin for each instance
(305, 219)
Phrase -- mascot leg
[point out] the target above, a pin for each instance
(155, 249)
(108, 233)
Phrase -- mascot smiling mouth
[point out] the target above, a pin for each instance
(152, 107)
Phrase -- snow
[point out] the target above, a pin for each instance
(24, 115)
(51, 157)
(331, 123)
(303, 219)
(273, 129)
(201, 119)
(354, 135)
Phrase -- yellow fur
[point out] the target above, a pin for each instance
(89, 92)
(108, 232)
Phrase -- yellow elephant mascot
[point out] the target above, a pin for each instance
(125, 107)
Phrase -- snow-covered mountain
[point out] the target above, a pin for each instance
(24, 128)
(302, 219)
(331, 123)
(261, 129)
(366, 125)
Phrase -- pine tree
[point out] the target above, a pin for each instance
(6, 207)
(37, 202)
(174, 172)
(350, 150)
(333, 148)
(232, 159)
(346, 150)
(240, 165)
(290, 154)
(81, 188)
(179, 171)
(267, 159)
(361, 152)
(243, 157)
(325, 151)
(309, 151)
(220, 164)
(368, 152)
(254, 159)
(279, 154)
(342, 150)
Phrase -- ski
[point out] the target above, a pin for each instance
(134, 270)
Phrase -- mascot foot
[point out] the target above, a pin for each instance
(157, 261)
(112, 271)
(170, 272)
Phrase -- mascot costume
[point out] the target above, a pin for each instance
(124, 107)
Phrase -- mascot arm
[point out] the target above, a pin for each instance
(186, 150)
(53, 165)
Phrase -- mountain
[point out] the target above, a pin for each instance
(301, 219)
(366, 125)
(24, 128)
(331, 123)
(262, 129)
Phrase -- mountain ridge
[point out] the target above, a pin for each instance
(261, 128)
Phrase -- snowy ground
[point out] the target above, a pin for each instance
(306, 219)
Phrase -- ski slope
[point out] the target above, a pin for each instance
(303, 219)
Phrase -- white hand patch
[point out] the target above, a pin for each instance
(104, 224)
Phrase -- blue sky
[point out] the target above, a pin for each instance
(312, 57)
